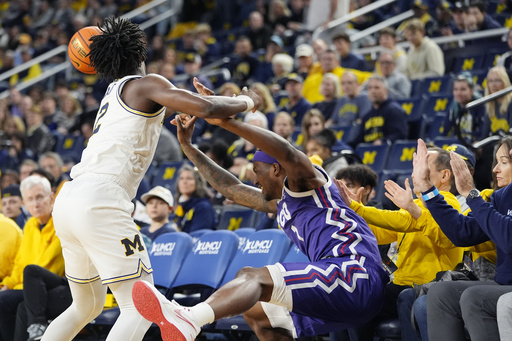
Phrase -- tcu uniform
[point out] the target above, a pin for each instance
(92, 213)
(344, 283)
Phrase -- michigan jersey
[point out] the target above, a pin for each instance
(123, 141)
(322, 226)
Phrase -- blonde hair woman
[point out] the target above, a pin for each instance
(499, 111)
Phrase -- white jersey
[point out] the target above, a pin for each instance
(123, 142)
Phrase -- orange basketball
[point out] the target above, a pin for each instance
(78, 49)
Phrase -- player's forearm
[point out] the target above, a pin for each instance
(226, 183)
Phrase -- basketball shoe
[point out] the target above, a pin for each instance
(174, 320)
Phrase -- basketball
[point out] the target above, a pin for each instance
(78, 49)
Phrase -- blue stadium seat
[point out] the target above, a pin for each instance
(243, 234)
(373, 156)
(412, 108)
(232, 217)
(432, 126)
(205, 265)
(437, 103)
(297, 137)
(437, 85)
(70, 147)
(342, 132)
(294, 255)
(491, 56)
(468, 62)
(262, 248)
(400, 157)
(167, 175)
(480, 77)
(167, 254)
(445, 141)
(198, 233)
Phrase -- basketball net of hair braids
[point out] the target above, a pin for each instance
(120, 50)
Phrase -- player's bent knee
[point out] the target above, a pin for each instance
(258, 275)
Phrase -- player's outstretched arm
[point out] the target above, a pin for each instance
(300, 172)
(159, 90)
(223, 181)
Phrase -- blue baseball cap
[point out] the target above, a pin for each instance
(463, 152)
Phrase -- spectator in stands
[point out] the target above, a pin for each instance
(294, 103)
(453, 306)
(304, 59)
(399, 86)
(39, 137)
(505, 59)
(192, 65)
(26, 168)
(16, 151)
(459, 13)
(483, 20)
(348, 59)
(325, 145)
(39, 245)
(279, 16)
(422, 14)
(185, 45)
(206, 45)
(386, 121)
(265, 70)
(53, 164)
(259, 33)
(194, 210)
(9, 244)
(282, 66)
(331, 90)
(425, 58)
(284, 126)
(9, 177)
(12, 205)
(267, 104)
(297, 17)
(445, 18)
(32, 72)
(499, 111)
(67, 117)
(159, 205)
(359, 176)
(49, 111)
(312, 124)
(387, 39)
(470, 124)
(243, 62)
(352, 106)
(423, 249)
(321, 12)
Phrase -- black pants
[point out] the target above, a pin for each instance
(46, 296)
(389, 310)
(9, 301)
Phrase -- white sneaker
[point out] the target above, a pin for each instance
(172, 318)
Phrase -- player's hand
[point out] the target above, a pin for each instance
(421, 173)
(254, 96)
(463, 179)
(399, 196)
(201, 89)
(346, 194)
(185, 124)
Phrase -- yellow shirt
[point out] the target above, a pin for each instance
(423, 248)
(38, 246)
(9, 244)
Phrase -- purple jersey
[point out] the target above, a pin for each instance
(322, 226)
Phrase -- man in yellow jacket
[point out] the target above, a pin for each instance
(9, 244)
(422, 248)
(39, 245)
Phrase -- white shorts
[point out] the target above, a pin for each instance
(92, 217)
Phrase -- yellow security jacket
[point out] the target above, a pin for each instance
(423, 249)
(38, 246)
(10, 241)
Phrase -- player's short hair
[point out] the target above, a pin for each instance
(120, 50)
(35, 180)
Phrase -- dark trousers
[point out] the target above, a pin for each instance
(9, 301)
(389, 310)
(451, 306)
(46, 294)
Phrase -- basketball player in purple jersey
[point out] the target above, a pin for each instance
(343, 284)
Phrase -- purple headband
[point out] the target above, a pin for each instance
(261, 156)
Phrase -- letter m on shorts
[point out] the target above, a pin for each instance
(132, 245)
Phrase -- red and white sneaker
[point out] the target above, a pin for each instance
(173, 319)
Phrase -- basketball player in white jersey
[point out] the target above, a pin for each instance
(100, 241)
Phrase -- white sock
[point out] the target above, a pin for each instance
(202, 313)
